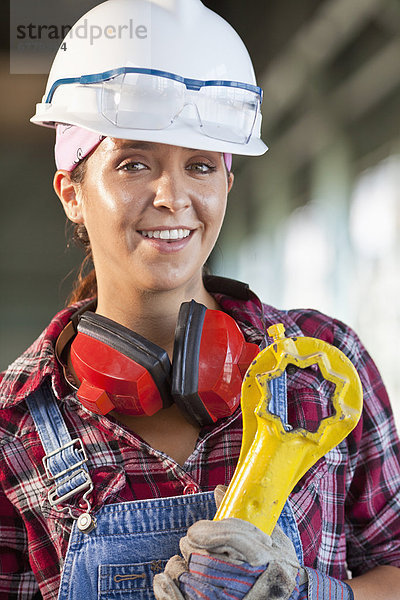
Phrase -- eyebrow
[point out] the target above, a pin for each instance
(135, 146)
(144, 146)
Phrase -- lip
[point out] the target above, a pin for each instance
(165, 227)
(166, 246)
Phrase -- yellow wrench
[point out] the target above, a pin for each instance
(272, 460)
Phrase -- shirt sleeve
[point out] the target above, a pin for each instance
(323, 587)
(17, 581)
(372, 508)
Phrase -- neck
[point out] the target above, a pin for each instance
(152, 314)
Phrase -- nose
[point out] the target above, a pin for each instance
(171, 193)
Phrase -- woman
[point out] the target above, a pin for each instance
(110, 453)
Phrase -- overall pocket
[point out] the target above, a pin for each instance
(121, 582)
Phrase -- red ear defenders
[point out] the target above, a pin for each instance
(119, 369)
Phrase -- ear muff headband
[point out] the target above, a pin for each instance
(121, 370)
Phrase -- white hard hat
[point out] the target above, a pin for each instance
(169, 71)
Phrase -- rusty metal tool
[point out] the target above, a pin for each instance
(273, 459)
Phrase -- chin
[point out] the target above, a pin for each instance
(162, 284)
(168, 282)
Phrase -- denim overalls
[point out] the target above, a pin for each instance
(114, 554)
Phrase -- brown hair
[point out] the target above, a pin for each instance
(85, 285)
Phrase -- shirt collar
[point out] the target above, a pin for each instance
(39, 361)
(27, 373)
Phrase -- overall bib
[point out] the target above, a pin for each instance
(125, 544)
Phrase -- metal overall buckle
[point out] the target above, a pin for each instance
(75, 450)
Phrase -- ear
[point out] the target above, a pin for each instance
(70, 195)
(231, 178)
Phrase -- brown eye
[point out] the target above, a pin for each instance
(201, 167)
(133, 166)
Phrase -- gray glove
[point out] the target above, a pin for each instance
(235, 541)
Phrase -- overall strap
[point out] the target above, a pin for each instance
(278, 402)
(65, 458)
(278, 406)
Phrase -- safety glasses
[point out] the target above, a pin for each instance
(136, 98)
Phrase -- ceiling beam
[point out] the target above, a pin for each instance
(328, 116)
(316, 42)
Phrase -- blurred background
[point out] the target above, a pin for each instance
(313, 223)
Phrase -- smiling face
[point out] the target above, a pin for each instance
(153, 213)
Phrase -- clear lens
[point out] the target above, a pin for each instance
(227, 113)
(143, 101)
(140, 101)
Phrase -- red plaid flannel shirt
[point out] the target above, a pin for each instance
(347, 506)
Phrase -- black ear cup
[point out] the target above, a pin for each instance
(185, 363)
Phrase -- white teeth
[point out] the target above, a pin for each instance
(167, 234)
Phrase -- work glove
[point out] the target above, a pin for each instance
(232, 559)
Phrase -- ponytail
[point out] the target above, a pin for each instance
(85, 285)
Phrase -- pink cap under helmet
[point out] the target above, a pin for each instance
(74, 143)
